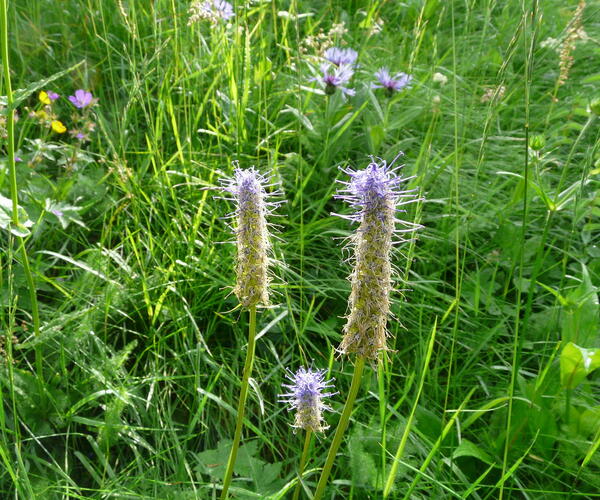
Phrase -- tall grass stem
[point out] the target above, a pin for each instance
(302, 465)
(12, 174)
(341, 428)
(241, 403)
(394, 469)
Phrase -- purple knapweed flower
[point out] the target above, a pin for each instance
(389, 83)
(212, 10)
(306, 393)
(341, 57)
(336, 77)
(252, 236)
(374, 193)
(52, 95)
(81, 99)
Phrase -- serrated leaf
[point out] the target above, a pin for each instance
(362, 463)
(214, 462)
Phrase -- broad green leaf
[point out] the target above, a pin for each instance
(576, 363)
(213, 462)
(467, 448)
(589, 421)
(6, 222)
(580, 321)
(64, 212)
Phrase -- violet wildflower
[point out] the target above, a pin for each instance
(341, 57)
(211, 10)
(306, 397)
(375, 193)
(389, 83)
(52, 95)
(81, 99)
(252, 236)
(335, 77)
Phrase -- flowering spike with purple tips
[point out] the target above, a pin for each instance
(252, 237)
(376, 195)
(306, 397)
(211, 10)
(341, 57)
(389, 83)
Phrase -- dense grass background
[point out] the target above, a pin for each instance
(141, 344)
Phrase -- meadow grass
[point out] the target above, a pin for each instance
(141, 342)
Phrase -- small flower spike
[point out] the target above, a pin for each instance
(252, 236)
(391, 85)
(374, 192)
(341, 57)
(306, 397)
(336, 77)
(211, 10)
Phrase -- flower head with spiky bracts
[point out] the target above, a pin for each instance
(336, 77)
(341, 57)
(248, 188)
(306, 397)
(375, 194)
(389, 83)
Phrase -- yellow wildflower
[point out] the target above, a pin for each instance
(44, 99)
(58, 127)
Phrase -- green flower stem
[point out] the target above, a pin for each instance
(10, 142)
(341, 428)
(303, 460)
(407, 428)
(241, 403)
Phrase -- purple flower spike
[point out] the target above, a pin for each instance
(306, 397)
(374, 193)
(211, 10)
(223, 9)
(248, 188)
(341, 57)
(391, 85)
(336, 77)
(81, 99)
(52, 95)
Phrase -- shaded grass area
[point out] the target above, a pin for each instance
(142, 343)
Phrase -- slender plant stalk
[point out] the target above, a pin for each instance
(241, 403)
(341, 428)
(303, 460)
(518, 338)
(10, 142)
(394, 470)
